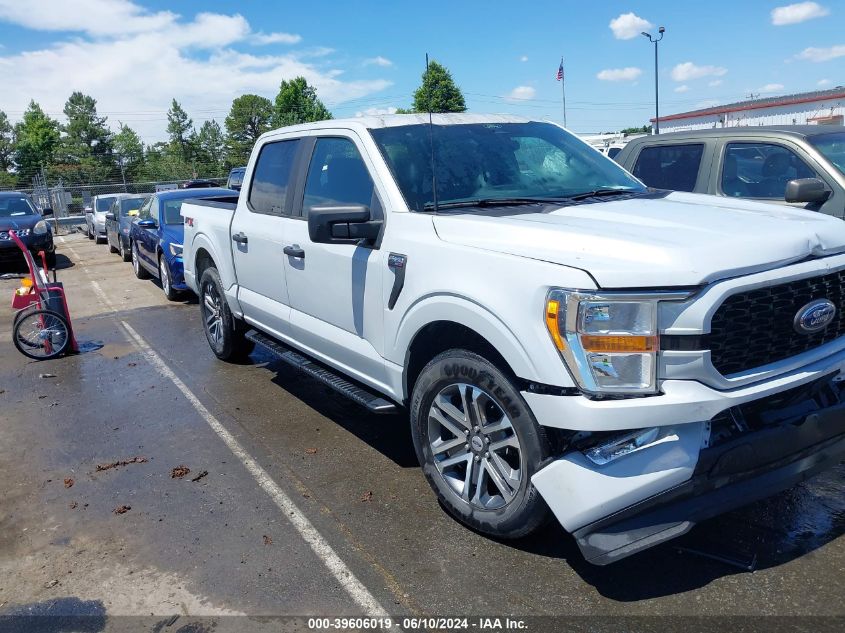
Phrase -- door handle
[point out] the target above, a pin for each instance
(294, 251)
(240, 238)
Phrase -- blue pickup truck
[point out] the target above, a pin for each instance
(157, 234)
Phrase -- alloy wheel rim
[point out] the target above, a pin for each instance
(474, 446)
(165, 279)
(135, 258)
(212, 314)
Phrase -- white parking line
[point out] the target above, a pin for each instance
(356, 590)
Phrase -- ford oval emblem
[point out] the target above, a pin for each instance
(814, 316)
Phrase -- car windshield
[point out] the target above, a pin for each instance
(130, 206)
(171, 212)
(13, 207)
(832, 146)
(104, 204)
(488, 162)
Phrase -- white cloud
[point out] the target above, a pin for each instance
(376, 111)
(714, 83)
(521, 93)
(814, 54)
(684, 88)
(378, 61)
(275, 38)
(154, 58)
(772, 88)
(628, 25)
(823, 82)
(524, 58)
(798, 12)
(689, 71)
(620, 74)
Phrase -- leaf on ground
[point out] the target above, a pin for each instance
(122, 462)
(268, 540)
(367, 496)
(179, 472)
(122, 509)
(69, 482)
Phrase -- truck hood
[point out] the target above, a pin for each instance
(680, 239)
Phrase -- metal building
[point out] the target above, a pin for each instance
(819, 107)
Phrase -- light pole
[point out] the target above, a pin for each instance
(660, 32)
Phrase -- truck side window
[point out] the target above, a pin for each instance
(271, 176)
(672, 167)
(760, 170)
(337, 175)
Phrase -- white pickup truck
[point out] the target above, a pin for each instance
(563, 337)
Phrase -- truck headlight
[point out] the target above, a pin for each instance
(176, 250)
(40, 228)
(609, 342)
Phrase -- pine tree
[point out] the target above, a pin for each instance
(438, 92)
(249, 117)
(297, 102)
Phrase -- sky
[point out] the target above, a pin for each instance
(134, 56)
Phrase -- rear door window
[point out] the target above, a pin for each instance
(667, 166)
(760, 170)
(268, 192)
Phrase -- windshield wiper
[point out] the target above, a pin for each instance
(596, 193)
(490, 202)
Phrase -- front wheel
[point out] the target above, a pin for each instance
(225, 334)
(166, 282)
(140, 271)
(479, 444)
(41, 334)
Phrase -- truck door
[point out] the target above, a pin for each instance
(336, 289)
(258, 238)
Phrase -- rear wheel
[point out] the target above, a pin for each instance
(479, 445)
(41, 334)
(166, 282)
(225, 334)
(88, 231)
(140, 271)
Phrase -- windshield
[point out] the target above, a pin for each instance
(833, 148)
(104, 204)
(492, 161)
(130, 206)
(14, 207)
(171, 212)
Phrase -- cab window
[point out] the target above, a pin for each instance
(271, 177)
(760, 170)
(337, 175)
(667, 166)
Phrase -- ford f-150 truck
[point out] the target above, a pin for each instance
(563, 337)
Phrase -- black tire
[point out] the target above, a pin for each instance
(227, 341)
(526, 511)
(27, 346)
(125, 253)
(137, 266)
(112, 249)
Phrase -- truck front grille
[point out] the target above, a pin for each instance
(755, 328)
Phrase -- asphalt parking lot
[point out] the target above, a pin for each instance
(297, 502)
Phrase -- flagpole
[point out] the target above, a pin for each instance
(563, 91)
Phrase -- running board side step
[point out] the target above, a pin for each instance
(356, 393)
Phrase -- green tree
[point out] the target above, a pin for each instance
(130, 151)
(249, 117)
(438, 92)
(7, 143)
(161, 163)
(297, 102)
(179, 128)
(210, 149)
(85, 135)
(646, 129)
(36, 139)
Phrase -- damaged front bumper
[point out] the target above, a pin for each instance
(696, 471)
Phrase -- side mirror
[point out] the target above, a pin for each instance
(342, 225)
(806, 190)
(109, 216)
(147, 223)
(47, 211)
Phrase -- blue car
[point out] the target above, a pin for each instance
(156, 236)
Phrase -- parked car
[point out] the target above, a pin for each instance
(802, 165)
(236, 178)
(119, 220)
(156, 236)
(95, 218)
(19, 213)
(562, 336)
(197, 184)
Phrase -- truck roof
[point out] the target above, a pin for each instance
(797, 131)
(394, 120)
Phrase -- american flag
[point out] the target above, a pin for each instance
(560, 71)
